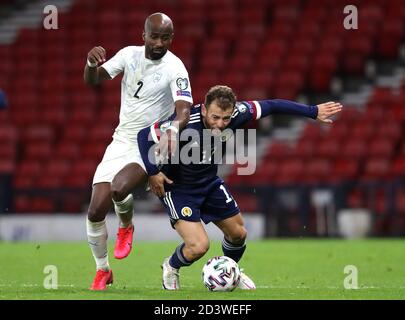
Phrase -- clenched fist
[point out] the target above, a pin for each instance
(97, 54)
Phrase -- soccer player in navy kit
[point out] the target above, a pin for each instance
(192, 192)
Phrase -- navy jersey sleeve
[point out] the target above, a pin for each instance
(146, 145)
(246, 111)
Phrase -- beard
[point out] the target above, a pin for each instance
(155, 54)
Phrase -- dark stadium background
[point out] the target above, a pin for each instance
(54, 129)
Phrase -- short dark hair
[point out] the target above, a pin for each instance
(224, 96)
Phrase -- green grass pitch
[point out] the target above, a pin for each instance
(282, 269)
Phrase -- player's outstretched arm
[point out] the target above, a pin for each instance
(93, 74)
(328, 109)
(319, 112)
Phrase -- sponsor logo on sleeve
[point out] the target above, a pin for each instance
(183, 93)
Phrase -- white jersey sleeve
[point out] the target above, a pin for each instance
(116, 64)
(180, 84)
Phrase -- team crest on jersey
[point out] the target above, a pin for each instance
(186, 212)
(241, 107)
(157, 76)
(182, 83)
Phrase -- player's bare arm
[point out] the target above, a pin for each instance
(181, 120)
(183, 113)
(328, 109)
(93, 74)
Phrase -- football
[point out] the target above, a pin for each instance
(221, 274)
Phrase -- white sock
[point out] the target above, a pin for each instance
(125, 210)
(97, 239)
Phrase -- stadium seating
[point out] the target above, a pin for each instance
(56, 129)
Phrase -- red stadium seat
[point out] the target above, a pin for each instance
(376, 169)
(289, 85)
(102, 133)
(354, 149)
(67, 150)
(400, 201)
(343, 170)
(38, 133)
(246, 202)
(397, 169)
(29, 168)
(7, 166)
(54, 117)
(49, 182)
(42, 205)
(278, 151)
(57, 168)
(38, 150)
(8, 150)
(304, 149)
(311, 132)
(349, 115)
(22, 204)
(316, 171)
(23, 182)
(363, 131)
(82, 116)
(73, 202)
(356, 199)
(75, 133)
(390, 38)
(94, 150)
(328, 148)
(8, 132)
(382, 147)
(290, 171)
(391, 131)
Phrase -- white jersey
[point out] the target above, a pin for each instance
(149, 88)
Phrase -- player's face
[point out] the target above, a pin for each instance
(215, 118)
(157, 42)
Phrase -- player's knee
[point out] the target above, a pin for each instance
(118, 190)
(95, 214)
(199, 248)
(239, 236)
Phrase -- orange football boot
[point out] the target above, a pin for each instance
(123, 244)
(102, 279)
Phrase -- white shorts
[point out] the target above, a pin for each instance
(118, 154)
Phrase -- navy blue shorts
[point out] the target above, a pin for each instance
(211, 203)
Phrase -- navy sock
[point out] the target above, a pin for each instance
(231, 250)
(177, 260)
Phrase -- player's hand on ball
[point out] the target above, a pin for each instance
(328, 109)
(157, 182)
(97, 54)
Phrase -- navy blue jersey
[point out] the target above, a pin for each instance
(202, 148)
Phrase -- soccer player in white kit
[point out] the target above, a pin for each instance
(155, 82)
